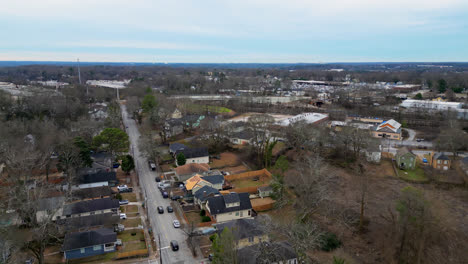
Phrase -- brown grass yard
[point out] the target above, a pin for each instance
(133, 245)
(130, 208)
(132, 222)
(193, 217)
(131, 197)
(127, 235)
(249, 183)
(227, 159)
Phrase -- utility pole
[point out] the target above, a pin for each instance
(160, 255)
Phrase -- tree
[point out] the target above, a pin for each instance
(282, 163)
(361, 181)
(224, 248)
(112, 139)
(442, 85)
(148, 147)
(149, 103)
(181, 160)
(69, 160)
(262, 137)
(128, 164)
(85, 153)
(452, 139)
(418, 96)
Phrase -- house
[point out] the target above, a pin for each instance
(216, 181)
(373, 153)
(243, 137)
(90, 207)
(108, 220)
(192, 121)
(265, 191)
(440, 161)
(196, 182)
(49, 208)
(266, 252)
(229, 207)
(96, 179)
(102, 160)
(195, 155)
(247, 232)
(389, 129)
(405, 159)
(92, 193)
(176, 114)
(174, 147)
(202, 194)
(89, 243)
(186, 171)
(173, 127)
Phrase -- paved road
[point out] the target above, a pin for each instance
(411, 134)
(160, 223)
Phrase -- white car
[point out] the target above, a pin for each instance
(176, 223)
(122, 187)
(123, 216)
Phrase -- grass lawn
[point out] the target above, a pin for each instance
(132, 222)
(127, 235)
(413, 175)
(131, 197)
(130, 208)
(133, 246)
(132, 214)
(95, 259)
(211, 108)
(247, 183)
(193, 217)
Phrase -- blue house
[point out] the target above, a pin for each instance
(89, 243)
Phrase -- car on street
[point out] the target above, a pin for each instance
(160, 210)
(174, 245)
(123, 216)
(170, 209)
(165, 195)
(122, 187)
(176, 223)
(158, 179)
(122, 202)
(152, 165)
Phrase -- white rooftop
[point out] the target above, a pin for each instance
(309, 118)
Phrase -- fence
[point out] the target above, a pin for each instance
(133, 254)
(247, 175)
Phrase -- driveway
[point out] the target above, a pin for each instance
(160, 223)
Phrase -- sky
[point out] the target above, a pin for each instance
(234, 31)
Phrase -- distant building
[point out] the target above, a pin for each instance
(309, 118)
(431, 105)
(195, 155)
(389, 129)
(405, 159)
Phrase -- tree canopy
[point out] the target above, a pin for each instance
(128, 163)
(112, 139)
(181, 160)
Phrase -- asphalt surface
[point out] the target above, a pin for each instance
(161, 224)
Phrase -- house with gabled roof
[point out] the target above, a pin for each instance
(389, 129)
(90, 207)
(186, 171)
(194, 155)
(89, 243)
(202, 194)
(405, 159)
(229, 207)
(440, 161)
(246, 231)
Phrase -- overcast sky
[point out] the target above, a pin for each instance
(234, 31)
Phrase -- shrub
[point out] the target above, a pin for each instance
(133, 234)
(202, 212)
(329, 242)
(206, 219)
(338, 260)
(212, 237)
(118, 197)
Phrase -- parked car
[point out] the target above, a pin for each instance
(122, 187)
(122, 202)
(123, 216)
(174, 245)
(176, 197)
(170, 209)
(128, 190)
(160, 210)
(158, 179)
(176, 223)
(165, 195)
(152, 165)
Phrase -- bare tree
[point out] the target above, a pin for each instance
(260, 125)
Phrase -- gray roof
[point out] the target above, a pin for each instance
(403, 151)
(214, 179)
(99, 176)
(231, 198)
(107, 219)
(440, 156)
(265, 188)
(90, 206)
(174, 147)
(217, 204)
(51, 203)
(205, 192)
(89, 238)
(194, 152)
(244, 134)
(266, 252)
(242, 228)
(95, 192)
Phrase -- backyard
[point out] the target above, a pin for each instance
(227, 159)
(131, 197)
(134, 222)
(416, 175)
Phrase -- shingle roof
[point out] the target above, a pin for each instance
(194, 152)
(242, 228)
(205, 192)
(100, 176)
(217, 204)
(88, 238)
(174, 147)
(90, 206)
(107, 219)
(89, 193)
(231, 198)
(192, 182)
(266, 253)
(50, 203)
(192, 168)
(403, 151)
(440, 156)
(214, 179)
(265, 188)
(244, 134)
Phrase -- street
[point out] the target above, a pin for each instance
(161, 224)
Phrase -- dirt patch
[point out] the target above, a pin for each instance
(236, 170)
(135, 222)
(227, 159)
(130, 208)
(193, 217)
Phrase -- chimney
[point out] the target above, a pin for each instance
(204, 193)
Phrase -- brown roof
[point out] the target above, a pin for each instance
(192, 168)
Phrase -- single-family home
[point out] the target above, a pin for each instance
(108, 220)
(246, 232)
(405, 159)
(229, 207)
(173, 127)
(102, 160)
(194, 183)
(195, 155)
(266, 252)
(202, 194)
(389, 129)
(89, 243)
(243, 137)
(49, 208)
(216, 181)
(90, 207)
(95, 179)
(186, 171)
(440, 161)
(92, 193)
(265, 191)
(174, 147)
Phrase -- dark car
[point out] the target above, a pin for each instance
(158, 179)
(165, 195)
(170, 209)
(174, 245)
(128, 190)
(176, 197)
(160, 210)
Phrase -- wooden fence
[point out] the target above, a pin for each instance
(248, 175)
(133, 254)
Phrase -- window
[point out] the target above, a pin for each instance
(379, 135)
(237, 213)
(96, 248)
(58, 217)
(193, 161)
(82, 250)
(92, 213)
(251, 239)
(68, 216)
(241, 214)
(438, 161)
(395, 136)
(248, 212)
(445, 161)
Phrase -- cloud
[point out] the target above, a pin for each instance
(131, 44)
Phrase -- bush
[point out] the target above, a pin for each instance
(212, 237)
(202, 212)
(118, 197)
(338, 260)
(133, 234)
(206, 219)
(329, 242)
